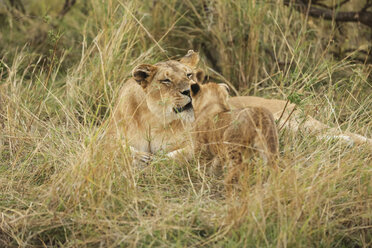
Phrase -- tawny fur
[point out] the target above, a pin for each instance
(294, 120)
(143, 118)
(232, 136)
(146, 115)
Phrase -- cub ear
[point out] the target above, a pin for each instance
(200, 76)
(195, 88)
(144, 73)
(190, 59)
(225, 87)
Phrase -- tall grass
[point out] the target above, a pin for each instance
(58, 187)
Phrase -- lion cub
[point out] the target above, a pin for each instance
(227, 135)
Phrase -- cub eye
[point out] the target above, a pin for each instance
(165, 81)
(189, 75)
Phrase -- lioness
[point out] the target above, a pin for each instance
(154, 107)
(154, 110)
(230, 135)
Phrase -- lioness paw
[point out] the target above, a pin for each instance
(141, 159)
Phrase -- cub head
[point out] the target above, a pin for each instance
(167, 86)
(207, 95)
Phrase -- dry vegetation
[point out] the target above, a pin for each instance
(59, 76)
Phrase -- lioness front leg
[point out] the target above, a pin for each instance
(183, 154)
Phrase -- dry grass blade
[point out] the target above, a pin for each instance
(61, 185)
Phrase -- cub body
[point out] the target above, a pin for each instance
(228, 135)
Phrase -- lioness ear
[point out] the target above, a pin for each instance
(195, 88)
(144, 73)
(190, 59)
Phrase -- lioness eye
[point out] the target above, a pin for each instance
(189, 75)
(165, 81)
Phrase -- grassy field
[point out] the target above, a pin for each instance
(59, 78)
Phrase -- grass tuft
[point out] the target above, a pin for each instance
(59, 79)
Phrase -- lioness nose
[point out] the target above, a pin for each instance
(186, 92)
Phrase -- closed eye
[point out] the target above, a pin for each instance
(165, 81)
(189, 75)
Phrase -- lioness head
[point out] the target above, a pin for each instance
(167, 86)
(206, 95)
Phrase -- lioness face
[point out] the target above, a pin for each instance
(167, 87)
(208, 94)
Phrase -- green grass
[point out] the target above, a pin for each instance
(58, 187)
